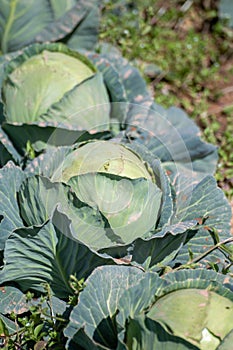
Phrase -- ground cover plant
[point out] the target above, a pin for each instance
(184, 51)
(113, 230)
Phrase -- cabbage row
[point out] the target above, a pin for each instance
(103, 187)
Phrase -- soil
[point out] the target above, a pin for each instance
(225, 90)
(222, 87)
(202, 16)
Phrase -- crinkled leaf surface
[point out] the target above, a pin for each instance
(43, 254)
(98, 303)
(24, 22)
(149, 252)
(127, 310)
(86, 33)
(49, 162)
(38, 199)
(7, 326)
(11, 178)
(206, 201)
(199, 278)
(173, 138)
(134, 85)
(115, 86)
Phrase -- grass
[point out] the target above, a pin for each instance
(183, 51)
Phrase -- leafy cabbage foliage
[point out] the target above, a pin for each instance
(99, 182)
(84, 110)
(26, 22)
(136, 310)
(67, 216)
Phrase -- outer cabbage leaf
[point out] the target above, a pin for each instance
(44, 135)
(135, 86)
(7, 326)
(170, 134)
(43, 254)
(38, 198)
(207, 204)
(7, 150)
(147, 334)
(25, 22)
(116, 89)
(199, 278)
(162, 247)
(11, 178)
(86, 33)
(172, 137)
(48, 163)
(125, 310)
(12, 300)
(98, 322)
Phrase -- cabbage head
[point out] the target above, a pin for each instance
(98, 203)
(52, 95)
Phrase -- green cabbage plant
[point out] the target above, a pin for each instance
(70, 97)
(102, 202)
(95, 175)
(137, 311)
(114, 99)
(75, 98)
